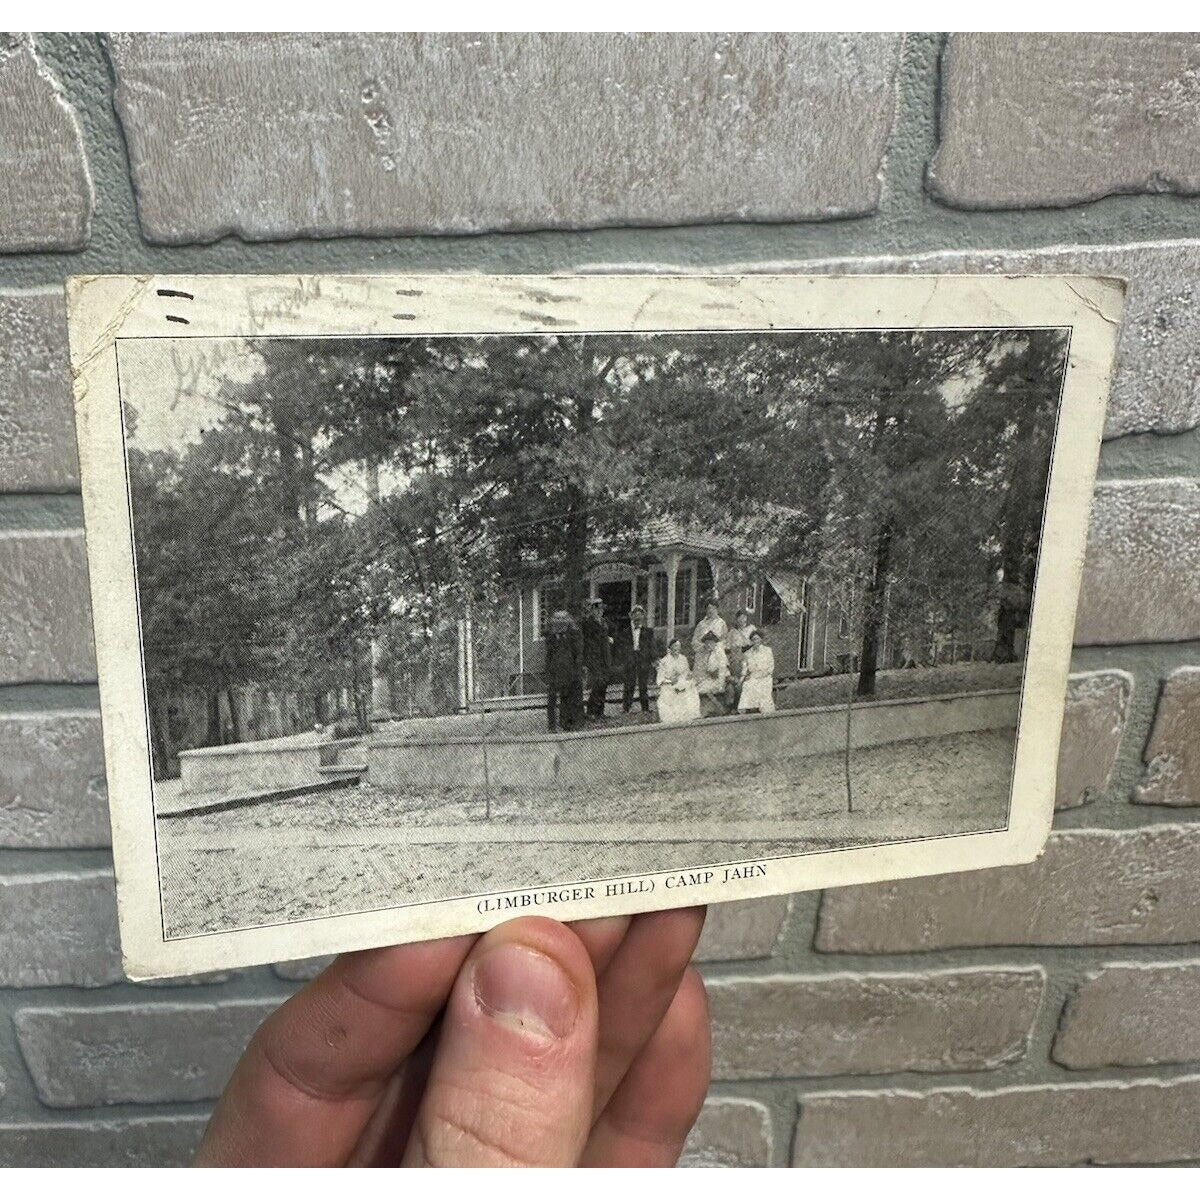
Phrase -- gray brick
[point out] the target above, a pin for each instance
(1090, 888)
(1132, 1015)
(137, 1053)
(1093, 724)
(46, 197)
(1040, 119)
(1156, 387)
(52, 790)
(1057, 1125)
(1143, 562)
(58, 929)
(730, 1133)
(300, 970)
(1172, 754)
(142, 1142)
(45, 612)
(795, 1025)
(185, 981)
(37, 425)
(742, 929)
(315, 135)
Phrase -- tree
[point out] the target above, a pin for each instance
(360, 492)
(1007, 438)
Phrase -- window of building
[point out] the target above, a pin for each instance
(684, 613)
(750, 600)
(704, 582)
(772, 604)
(548, 597)
(660, 600)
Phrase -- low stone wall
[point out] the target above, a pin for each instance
(251, 767)
(568, 760)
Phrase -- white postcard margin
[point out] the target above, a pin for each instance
(103, 308)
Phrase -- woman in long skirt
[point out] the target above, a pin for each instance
(758, 677)
(678, 700)
(737, 642)
(712, 674)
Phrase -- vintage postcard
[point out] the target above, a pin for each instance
(424, 602)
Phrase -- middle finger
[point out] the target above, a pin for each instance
(637, 988)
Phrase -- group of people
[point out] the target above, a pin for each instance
(732, 668)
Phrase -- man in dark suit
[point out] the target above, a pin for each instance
(597, 656)
(638, 654)
(563, 673)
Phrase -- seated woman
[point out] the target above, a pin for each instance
(712, 673)
(758, 677)
(678, 700)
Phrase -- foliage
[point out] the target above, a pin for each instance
(360, 497)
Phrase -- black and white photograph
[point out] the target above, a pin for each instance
(568, 613)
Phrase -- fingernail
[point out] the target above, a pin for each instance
(526, 990)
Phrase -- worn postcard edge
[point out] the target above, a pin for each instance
(103, 308)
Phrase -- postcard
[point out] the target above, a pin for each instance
(423, 602)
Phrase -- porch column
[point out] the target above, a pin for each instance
(672, 565)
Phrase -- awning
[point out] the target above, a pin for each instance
(790, 588)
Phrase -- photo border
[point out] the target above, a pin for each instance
(105, 310)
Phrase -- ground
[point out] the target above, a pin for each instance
(361, 848)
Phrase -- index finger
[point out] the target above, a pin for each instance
(316, 1069)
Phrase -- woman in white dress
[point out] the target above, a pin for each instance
(758, 677)
(712, 672)
(711, 622)
(737, 642)
(678, 700)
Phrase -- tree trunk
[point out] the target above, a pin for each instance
(213, 734)
(874, 615)
(291, 506)
(1010, 609)
(160, 740)
(578, 521)
(235, 717)
(575, 557)
(1020, 530)
(308, 483)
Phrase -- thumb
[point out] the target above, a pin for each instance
(511, 1083)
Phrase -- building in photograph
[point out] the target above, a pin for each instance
(812, 623)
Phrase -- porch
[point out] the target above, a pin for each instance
(672, 586)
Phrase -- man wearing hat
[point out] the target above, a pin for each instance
(597, 656)
(638, 654)
(563, 673)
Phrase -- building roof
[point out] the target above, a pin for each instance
(743, 539)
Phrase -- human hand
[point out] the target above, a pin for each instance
(537, 1044)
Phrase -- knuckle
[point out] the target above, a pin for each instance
(490, 1117)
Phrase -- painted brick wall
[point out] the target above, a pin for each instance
(1035, 1015)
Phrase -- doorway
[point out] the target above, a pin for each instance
(618, 600)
